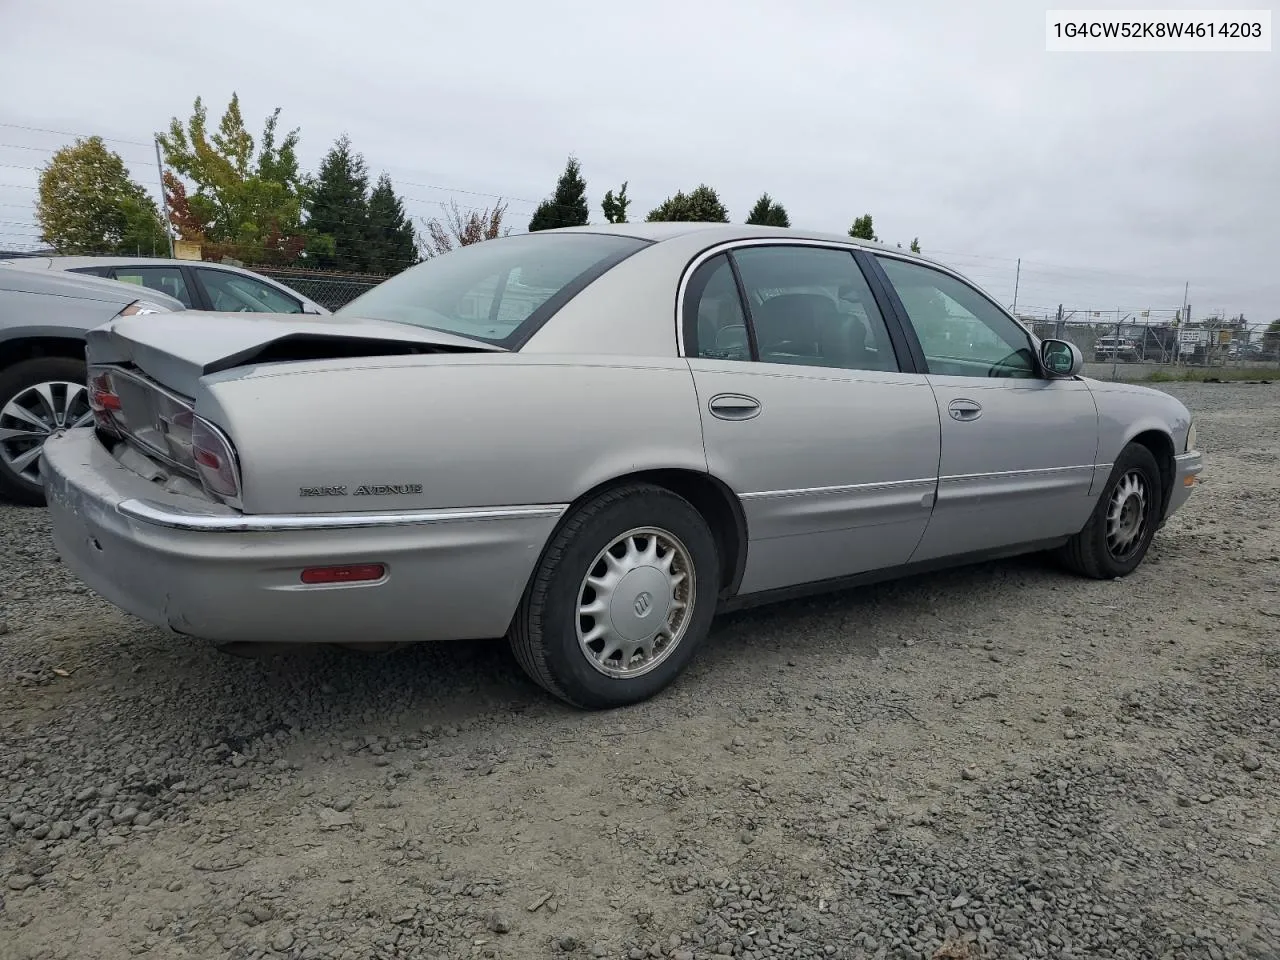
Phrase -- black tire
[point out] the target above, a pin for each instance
(544, 634)
(15, 380)
(1091, 553)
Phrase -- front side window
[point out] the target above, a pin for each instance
(236, 293)
(497, 291)
(811, 306)
(165, 279)
(962, 333)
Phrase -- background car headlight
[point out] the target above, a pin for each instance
(139, 307)
(1191, 436)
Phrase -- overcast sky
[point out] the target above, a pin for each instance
(1115, 177)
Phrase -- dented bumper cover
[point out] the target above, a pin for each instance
(205, 570)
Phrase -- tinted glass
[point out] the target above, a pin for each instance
(236, 293)
(716, 327)
(165, 279)
(812, 306)
(495, 290)
(962, 333)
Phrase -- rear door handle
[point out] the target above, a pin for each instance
(962, 409)
(733, 406)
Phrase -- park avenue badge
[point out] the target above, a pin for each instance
(364, 490)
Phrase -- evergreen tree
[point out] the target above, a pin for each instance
(768, 213)
(340, 208)
(700, 205)
(615, 206)
(567, 206)
(392, 244)
(863, 228)
(915, 245)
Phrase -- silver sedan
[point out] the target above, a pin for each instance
(591, 440)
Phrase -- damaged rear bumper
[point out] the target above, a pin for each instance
(205, 570)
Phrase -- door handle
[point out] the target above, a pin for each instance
(733, 406)
(964, 409)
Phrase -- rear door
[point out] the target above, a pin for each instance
(1018, 447)
(807, 414)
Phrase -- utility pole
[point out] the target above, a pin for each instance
(1186, 319)
(1115, 354)
(1016, 278)
(164, 201)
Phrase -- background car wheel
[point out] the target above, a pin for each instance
(1124, 520)
(37, 398)
(620, 600)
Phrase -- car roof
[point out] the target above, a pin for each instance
(715, 233)
(71, 262)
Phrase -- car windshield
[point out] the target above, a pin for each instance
(498, 291)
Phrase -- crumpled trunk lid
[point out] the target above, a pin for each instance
(176, 350)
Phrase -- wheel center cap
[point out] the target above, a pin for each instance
(1129, 512)
(640, 603)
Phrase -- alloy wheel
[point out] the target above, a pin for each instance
(35, 415)
(1128, 515)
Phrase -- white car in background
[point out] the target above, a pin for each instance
(197, 284)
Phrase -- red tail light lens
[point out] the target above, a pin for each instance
(103, 401)
(355, 573)
(215, 460)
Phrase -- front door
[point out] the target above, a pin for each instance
(1018, 447)
(806, 415)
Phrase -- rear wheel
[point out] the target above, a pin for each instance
(620, 600)
(38, 398)
(1115, 540)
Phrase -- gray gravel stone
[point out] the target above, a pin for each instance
(498, 923)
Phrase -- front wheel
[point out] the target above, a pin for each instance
(620, 600)
(38, 398)
(1115, 540)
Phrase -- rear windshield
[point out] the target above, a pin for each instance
(499, 291)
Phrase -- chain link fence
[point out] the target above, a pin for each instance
(327, 288)
(1124, 350)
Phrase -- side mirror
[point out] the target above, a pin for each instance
(1061, 358)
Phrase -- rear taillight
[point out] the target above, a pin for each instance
(104, 402)
(215, 460)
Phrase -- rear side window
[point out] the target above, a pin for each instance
(165, 279)
(716, 327)
(811, 306)
(499, 291)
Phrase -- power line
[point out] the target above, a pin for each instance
(78, 136)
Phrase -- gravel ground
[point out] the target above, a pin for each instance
(1002, 761)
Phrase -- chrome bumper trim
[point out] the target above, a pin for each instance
(150, 512)
(1191, 457)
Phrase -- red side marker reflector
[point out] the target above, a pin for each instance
(356, 573)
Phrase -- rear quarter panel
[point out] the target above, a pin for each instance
(472, 430)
